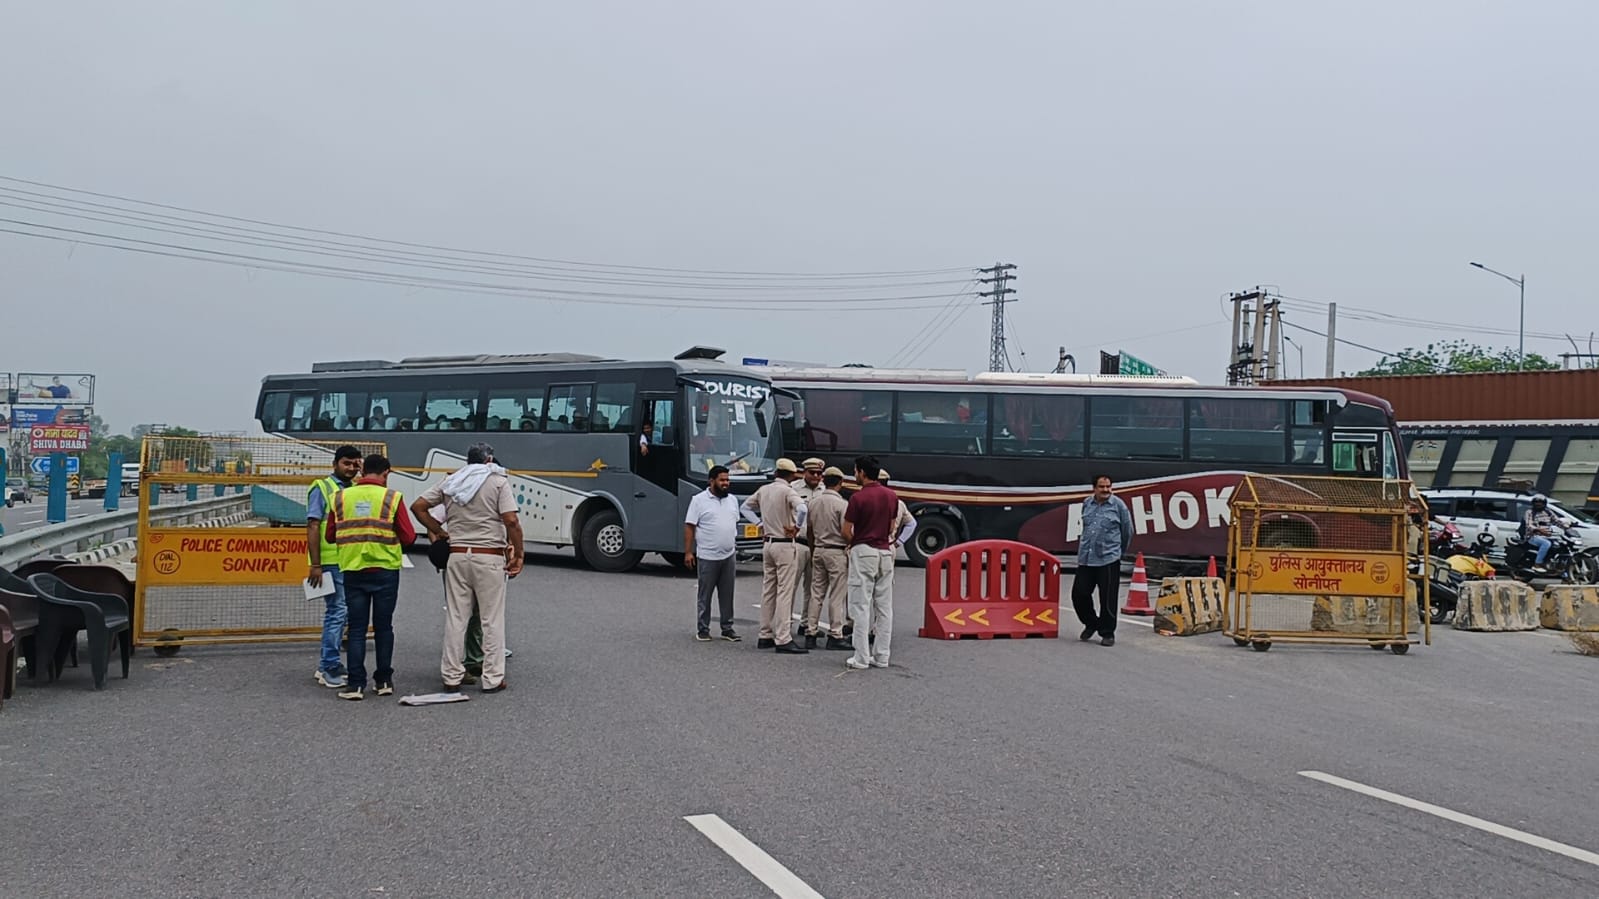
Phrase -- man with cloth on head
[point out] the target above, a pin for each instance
(486, 545)
(781, 514)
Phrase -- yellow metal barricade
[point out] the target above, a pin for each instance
(237, 576)
(1326, 560)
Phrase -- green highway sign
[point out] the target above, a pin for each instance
(1132, 365)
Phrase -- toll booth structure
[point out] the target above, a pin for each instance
(237, 580)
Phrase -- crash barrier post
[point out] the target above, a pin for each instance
(1190, 605)
(1497, 605)
(235, 584)
(1570, 607)
(992, 588)
(1346, 543)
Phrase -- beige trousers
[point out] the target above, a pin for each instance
(480, 578)
(779, 571)
(829, 588)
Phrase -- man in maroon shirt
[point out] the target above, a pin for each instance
(869, 531)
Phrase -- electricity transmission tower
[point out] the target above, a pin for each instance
(999, 275)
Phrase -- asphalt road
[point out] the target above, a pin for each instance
(1158, 767)
(23, 516)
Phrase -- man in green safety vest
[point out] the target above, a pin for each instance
(324, 557)
(371, 528)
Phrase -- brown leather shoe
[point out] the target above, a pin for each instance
(500, 688)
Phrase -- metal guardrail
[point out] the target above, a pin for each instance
(82, 534)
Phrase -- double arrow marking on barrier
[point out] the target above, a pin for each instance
(978, 617)
(1025, 616)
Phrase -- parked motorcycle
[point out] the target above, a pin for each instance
(1567, 562)
(1453, 564)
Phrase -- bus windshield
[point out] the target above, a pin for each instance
(732, 424)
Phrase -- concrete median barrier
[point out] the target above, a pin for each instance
(1361, 614)
(1568, 607)
(1497, 606)
(1187, 606)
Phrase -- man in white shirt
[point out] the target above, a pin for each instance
(709, 533)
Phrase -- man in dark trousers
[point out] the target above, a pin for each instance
(1107, 534)
(368, 523)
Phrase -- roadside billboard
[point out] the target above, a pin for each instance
(55, 389)
(58, 438)
(23, 417)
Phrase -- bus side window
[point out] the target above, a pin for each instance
(515, 409)
(450, 410)
(568, 407)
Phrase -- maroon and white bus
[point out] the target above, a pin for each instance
(1013, 456)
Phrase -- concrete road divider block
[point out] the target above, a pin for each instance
(1497, 606)
(1569, 607)
(1361, 614)
(1190, 605)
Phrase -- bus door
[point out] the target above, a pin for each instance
(653, 516)
(1364, 454)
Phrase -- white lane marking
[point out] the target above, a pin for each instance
(1133, 619)
(1509, 833)
(753, 858)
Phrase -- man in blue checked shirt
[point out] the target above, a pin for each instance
(1107, 534)
(324, 557)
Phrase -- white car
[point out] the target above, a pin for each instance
(1500, 512)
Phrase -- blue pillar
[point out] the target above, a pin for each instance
(194, 489)
(113, 482)
(4, 472)
(55, 509)
(221, 488)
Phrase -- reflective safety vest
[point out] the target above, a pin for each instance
(327, 486)
(366, 534)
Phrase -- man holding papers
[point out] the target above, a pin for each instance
(324, 557)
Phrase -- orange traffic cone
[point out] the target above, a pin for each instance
(1138, 591)
(1211, 571)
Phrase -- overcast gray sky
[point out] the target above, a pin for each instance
(1135, 160)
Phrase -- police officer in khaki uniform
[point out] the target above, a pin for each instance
(904, 522)
(809, 485)
(781, 514)
(824, 521)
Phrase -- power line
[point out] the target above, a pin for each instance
(192, 229)
(393, 279)
(665, 271)
(250, 261)
(932, 322)
(1352, 343)
(1358, 313)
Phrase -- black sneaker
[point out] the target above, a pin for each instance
(791, 649)
(810, 641)
(1107, 641)
(385, 688)
(703, 637)
(731, 636)
(1088, 634)
(765, 643)
(840, 643)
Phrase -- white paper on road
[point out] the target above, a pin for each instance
(322, 588)
(433, 698)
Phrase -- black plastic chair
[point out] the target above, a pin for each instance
(100, 615)
(22, 604)
(8, 657)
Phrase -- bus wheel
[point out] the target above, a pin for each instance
(675, 560)
(604, 543)
(934, 534)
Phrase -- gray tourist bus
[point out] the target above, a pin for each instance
(568, 427)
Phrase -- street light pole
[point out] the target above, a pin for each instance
(1521, 339)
